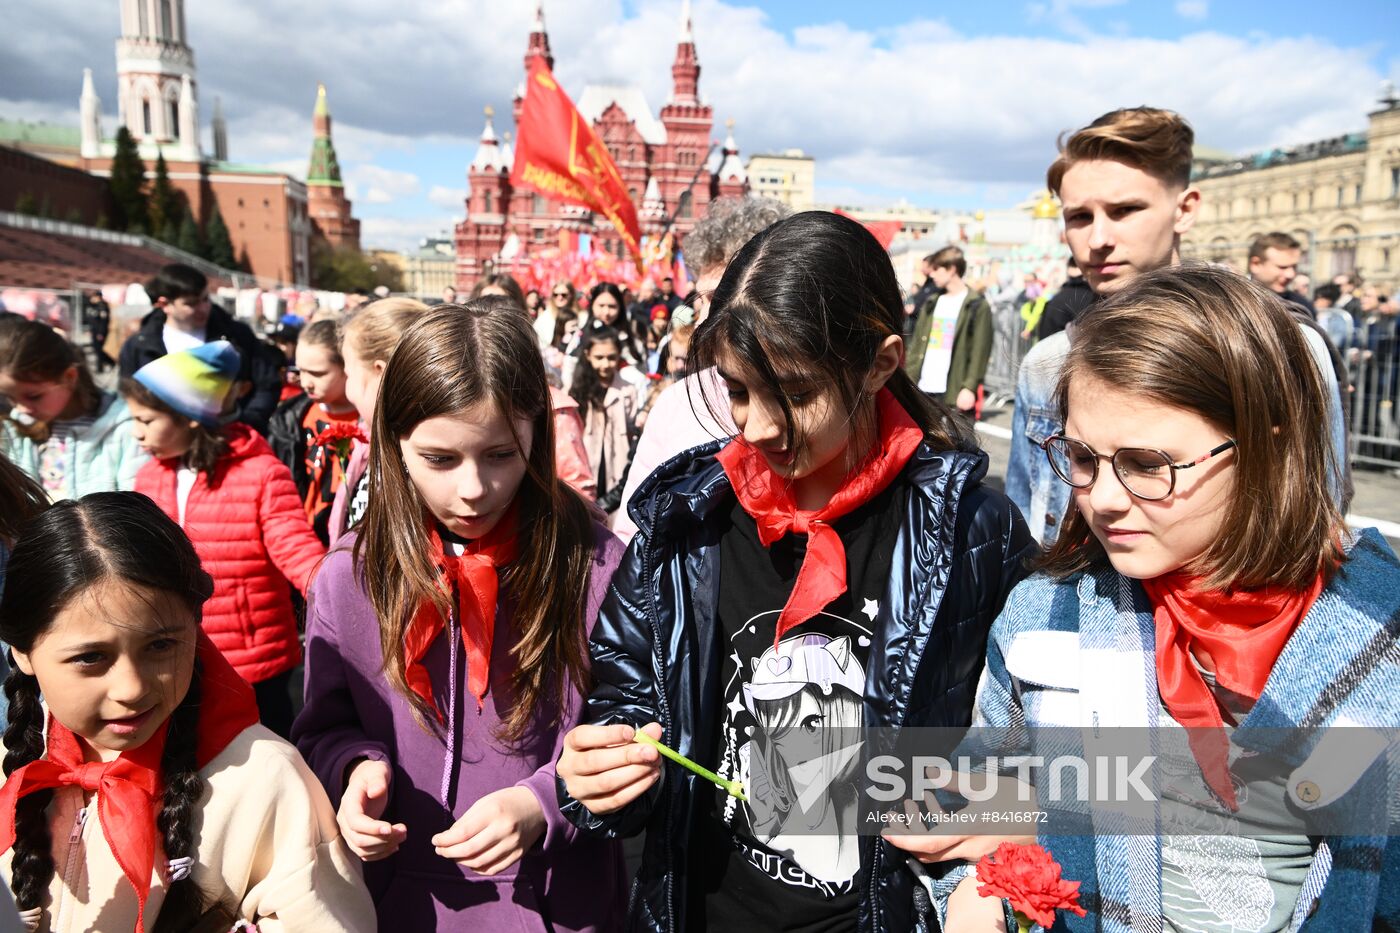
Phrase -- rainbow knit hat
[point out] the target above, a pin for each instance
(194, 382)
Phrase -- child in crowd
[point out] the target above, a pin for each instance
(608, 406)
(671, 363)
(835, 566)
(63, 431)
(20, 498)
(500, 283)
(182, 318)
(237, 503)
(296, 424)
(141, 793)
(606, 311)
(446, 643)
(284, 341)
(655, 334)
(367, 341)
(1205, 560)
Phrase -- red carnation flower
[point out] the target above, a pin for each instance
(339, 436)
(340, 431)
(1028, 877)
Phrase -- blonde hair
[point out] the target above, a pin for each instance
(1156, 141)
(374, 330)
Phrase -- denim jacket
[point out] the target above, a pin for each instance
(1046, 660)
(1043, 497)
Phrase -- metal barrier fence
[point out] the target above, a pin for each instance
(1375, 380)
(1008, 349)
(1372, 351)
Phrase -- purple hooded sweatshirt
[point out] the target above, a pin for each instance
(566, 882)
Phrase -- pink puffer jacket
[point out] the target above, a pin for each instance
(251, 534)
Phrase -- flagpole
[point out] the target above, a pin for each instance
(671, 221)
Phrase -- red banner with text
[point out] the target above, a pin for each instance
(558, 155)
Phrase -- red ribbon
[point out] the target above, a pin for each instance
(475, 577)
(767, 498)
(1243, 632)
(129, 788)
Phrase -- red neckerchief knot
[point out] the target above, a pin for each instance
(1243, 632)
(767, 498)
(129, 788)
(475, 578)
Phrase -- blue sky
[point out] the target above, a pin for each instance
(945, 105)
(1343, 22)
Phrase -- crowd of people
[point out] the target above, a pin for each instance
(374, 623)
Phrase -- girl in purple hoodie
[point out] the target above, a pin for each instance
(446, 644)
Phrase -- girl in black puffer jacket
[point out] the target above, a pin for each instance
(836, 566)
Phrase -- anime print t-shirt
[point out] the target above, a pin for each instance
(788, 859)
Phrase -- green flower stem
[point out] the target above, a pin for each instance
(735, 788)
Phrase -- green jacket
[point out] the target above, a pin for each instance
(972, 344)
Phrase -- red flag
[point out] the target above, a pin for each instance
(558, 154)
(883, 230)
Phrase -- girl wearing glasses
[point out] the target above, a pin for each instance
(1204, 578)
(836, 564)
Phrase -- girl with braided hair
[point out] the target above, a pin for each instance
(141, 792)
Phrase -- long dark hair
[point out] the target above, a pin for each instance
(20, 498)
(450, 359)
(628, 344)
(61, 553)
(815, 293)
(587, 390)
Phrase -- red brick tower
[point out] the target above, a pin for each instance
(484, 232)
(680, 168)
(326, 202)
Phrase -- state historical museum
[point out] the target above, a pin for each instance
(665, 162)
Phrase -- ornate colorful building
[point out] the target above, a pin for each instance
(666, 160)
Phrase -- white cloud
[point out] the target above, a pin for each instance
(34, 111)
(377, 185)
(1193, 9)
(403, 233)
(447, 198)
(917, 107)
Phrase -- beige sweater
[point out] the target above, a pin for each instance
(266, 845)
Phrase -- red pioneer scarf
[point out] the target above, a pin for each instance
(129, 788)
(1242, 632)
(767, 498)
(474, 577)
